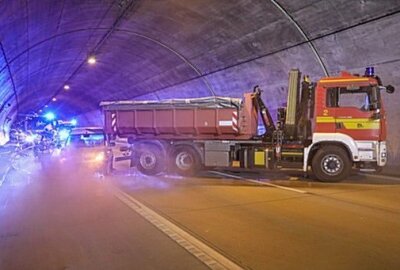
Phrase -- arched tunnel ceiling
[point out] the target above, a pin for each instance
(171, 48)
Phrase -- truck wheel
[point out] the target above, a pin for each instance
(331, 164)
(150, 160)
(185, 161)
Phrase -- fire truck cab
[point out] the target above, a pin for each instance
(349, 126)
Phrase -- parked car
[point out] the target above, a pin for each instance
(86, 148)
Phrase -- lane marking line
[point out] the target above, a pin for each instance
(227, 175)
(261, 182)
(386, 177)
(3, 178)
(206, 254)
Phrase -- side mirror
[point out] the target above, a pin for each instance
(390, 89)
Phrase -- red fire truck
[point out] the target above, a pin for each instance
(330, 126)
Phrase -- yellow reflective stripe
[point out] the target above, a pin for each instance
(325, 119)
(292, 154)
(344, 80)
(362, 125)
(358, 120)
(351, 123)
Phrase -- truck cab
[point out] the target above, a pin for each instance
(349, 116)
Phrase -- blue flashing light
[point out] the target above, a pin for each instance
(74, 122)
(369, 71)
(50, 116)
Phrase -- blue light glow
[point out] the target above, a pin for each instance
(74, 122)
(369, 71)
(50, 116)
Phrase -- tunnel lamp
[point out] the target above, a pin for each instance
(54, 99)
(91, 60)
(46, 106)
(66, 87)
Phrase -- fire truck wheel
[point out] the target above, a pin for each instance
(150, 160)
(185, 161)
(331, 164)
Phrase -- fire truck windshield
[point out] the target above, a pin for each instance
(366, 98)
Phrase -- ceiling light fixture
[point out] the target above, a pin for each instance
(54, 99)
(66, 87)
(91, 60)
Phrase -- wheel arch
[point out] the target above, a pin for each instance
(325, 139)
(319, 145)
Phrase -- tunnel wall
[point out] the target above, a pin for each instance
(5, 125)
(372, 44)
(172, 49)
(92, 118)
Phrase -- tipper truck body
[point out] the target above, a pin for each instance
(330, 126)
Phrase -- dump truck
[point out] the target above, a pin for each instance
(329, 127)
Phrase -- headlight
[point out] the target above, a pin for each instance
(30, 138)
(99, 157)
(56, 152)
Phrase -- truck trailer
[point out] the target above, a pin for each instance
(330, 127)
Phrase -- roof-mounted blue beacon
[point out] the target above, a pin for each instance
(369, 72)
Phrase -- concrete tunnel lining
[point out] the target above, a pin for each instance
(238, 52)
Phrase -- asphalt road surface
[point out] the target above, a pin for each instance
(71, 218)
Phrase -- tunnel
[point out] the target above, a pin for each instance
(204, 84)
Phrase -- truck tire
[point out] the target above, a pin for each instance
(331, 164)
(150, 160)
(185, 161)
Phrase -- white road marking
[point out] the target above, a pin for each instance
(260, 182)
(386, 177)
(3, 179)
(227, 175)
(206, 254)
